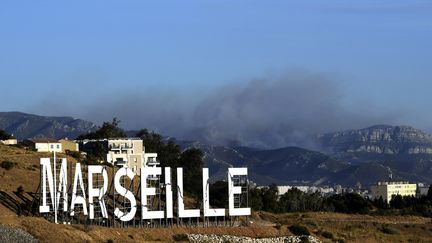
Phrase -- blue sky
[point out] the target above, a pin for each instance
(61, 57)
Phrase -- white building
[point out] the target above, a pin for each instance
(306, 189)
(128, 152)
(10, 141)
(387, 189)
(44, 144)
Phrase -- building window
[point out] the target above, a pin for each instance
(58, 146)
(52, 146)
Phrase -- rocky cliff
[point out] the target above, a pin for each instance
(381, 139)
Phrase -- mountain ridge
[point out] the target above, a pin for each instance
(347, 157)
(24, 125)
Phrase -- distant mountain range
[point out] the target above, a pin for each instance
(347, 157)
(380, 139)
(23, 126)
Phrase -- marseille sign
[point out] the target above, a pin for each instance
(85, 199)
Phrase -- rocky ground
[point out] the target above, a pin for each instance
(9, 234)
(240, 239)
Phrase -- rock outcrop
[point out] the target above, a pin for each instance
(241, 239)
(381, 139)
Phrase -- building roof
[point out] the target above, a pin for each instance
(44, 140)
(110, 139)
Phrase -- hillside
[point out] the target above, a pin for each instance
(23, 126)
(290, 165)
(350, 228)
(293, 165)
(346, 157)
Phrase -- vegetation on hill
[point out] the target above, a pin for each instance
(169, 153)
(107, 130)
(267, 199)
(4, 135)
(329, 225)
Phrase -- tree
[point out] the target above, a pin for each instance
(270, 199)
(4, 135)
(380, 203)
(429, 194)
(219, 194)
(107, 130)
(397, 202)
(168, 152)
(192, 163)
(255, 199)
(170, 155)
(349, 203)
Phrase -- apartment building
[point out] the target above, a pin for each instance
(387, 189)
(128, 152)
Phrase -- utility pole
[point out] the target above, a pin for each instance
(55, 188)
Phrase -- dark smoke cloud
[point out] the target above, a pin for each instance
(277, 112)
(266, 113)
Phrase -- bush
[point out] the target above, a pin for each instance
(180, 237)
(7, 165)
(297, 229)
(328, 235)
(389, 230)
(74, 154)
(20, 189)
(310, 222)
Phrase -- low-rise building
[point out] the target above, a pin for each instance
(387, 189)
(422, 190)
(10, 141)
(128, 152)
(44, 144)
(68, 145)
(306, 189)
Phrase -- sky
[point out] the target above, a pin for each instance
(220, 70)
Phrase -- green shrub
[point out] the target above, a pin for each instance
(20, 189)
(74, 154)
(389, 230)
(297, 229)
(180, 237)
(328, 235)
(310, 222)
(7, 165)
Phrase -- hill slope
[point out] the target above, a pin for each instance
(282, 166)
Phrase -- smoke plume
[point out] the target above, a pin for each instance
(265, 113)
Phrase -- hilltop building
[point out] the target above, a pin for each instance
(387, 189)
(68, 145)
(128, 152)
(44, 144)
(11, 141)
